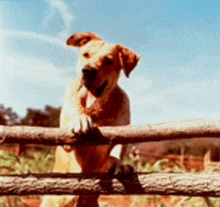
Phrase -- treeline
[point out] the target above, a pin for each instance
(47, 117)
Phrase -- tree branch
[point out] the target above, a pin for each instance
(144, 183)
(111, 135)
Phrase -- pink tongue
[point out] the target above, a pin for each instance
(90, 99)
(87, 96)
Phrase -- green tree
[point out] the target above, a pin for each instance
(8, 116)
(48, 117)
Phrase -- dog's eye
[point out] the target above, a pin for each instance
(108, 61)
(86, 55)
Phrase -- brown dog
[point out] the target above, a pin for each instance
(94, 99)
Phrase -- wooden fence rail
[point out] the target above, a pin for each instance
(137, 184)
(145, 183)
(111, 135)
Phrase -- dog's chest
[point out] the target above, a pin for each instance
(109, 112)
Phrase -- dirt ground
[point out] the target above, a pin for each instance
(110, 201)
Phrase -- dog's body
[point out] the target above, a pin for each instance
(94, 99)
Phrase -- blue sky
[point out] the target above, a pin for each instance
(178, 40)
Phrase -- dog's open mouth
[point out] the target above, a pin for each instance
(95, 91)
(89, 95)
(101, 89)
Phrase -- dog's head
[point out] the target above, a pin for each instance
(100, 63)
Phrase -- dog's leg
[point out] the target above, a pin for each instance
(65, 162)
(87, 201)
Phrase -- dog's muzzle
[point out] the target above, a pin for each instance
(88, 75)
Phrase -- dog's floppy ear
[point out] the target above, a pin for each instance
(128, 59)
(81, 38)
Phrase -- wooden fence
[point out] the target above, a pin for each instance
(138, 183)
(185, 161)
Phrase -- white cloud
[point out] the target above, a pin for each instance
(66, 15)
(31, 82)
(33, 35)
(33, 70)
(28, 68)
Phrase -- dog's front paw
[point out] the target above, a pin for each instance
(119, 170)
(81, 125)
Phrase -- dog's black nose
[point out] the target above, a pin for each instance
(89, 72)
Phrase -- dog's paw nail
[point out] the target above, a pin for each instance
(76, 128)
(86, 124)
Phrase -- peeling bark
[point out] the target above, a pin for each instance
(111, 135)
(136, 184)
